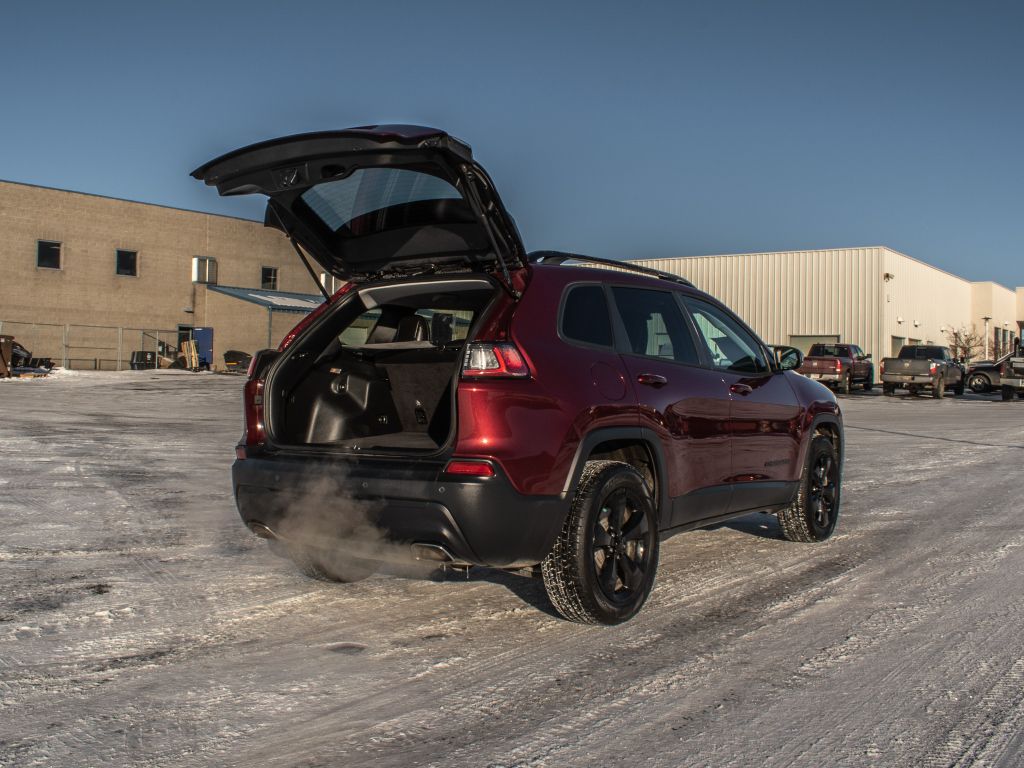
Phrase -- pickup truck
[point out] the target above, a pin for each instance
(923, 367)
(1011, 374)
(839, 366)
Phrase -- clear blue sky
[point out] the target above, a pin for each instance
(625, 129)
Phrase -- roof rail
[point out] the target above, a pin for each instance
(560, 257)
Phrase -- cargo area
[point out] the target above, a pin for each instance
(379, 372)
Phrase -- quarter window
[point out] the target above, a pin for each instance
(127, 263)
(585, 316)
(48, 254)
(268, 278)
(654, 325)
(729, 345)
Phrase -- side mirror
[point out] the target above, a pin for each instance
(788, 358)
(867, 356)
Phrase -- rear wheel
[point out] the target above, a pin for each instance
(958, 388)
(814, 513)
(845, 383)
(979, 383)
(888, 390)
(327, 565)
(939, 388)
(602, 565)
(1007, 393)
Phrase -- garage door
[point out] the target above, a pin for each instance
(803, 343)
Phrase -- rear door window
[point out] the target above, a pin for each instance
(585, 316)
(655, 326)
(729, 345)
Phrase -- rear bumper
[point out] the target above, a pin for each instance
(1010, 382)
(381, 507)
(824, 378)
(904, 379)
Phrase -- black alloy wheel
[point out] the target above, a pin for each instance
(602, 566)
(814, 513)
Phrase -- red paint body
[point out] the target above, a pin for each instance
(715, 427)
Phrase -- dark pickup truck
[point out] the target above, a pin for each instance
(923, 367)
(1011, 374)
(839, 366)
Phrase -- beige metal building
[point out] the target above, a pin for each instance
(89, 279)
(875, 297)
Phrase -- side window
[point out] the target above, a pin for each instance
(447, 325)
(729, 345)
(655, 325)
(585, 316)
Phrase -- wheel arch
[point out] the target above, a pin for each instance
(635, 446)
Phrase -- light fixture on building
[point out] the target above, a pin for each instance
(899, 320)
(188, 310)
(916, 323)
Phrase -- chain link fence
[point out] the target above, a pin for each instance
(90, 347)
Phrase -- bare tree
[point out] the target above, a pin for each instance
(965, 343)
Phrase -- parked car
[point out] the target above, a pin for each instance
(460, 401)
(983, 375)
(923, 367)
(1011, 373)
(839, 366)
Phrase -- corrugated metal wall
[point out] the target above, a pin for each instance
(841, 291)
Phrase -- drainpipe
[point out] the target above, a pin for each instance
(270, 326)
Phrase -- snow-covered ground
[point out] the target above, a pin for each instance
(141, 624)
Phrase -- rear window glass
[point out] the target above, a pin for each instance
(585, 317)
(921, 353)
(366, 190)
(829, 350)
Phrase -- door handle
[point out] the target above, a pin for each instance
(740, 389)
(651, 379)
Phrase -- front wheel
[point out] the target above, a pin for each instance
(813, 514)
(958, 388)
(601, 567)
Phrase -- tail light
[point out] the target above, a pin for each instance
(494, 359)
(254, 431)
(839, 366)
(933, 368)
(881, 367)
(305, 322)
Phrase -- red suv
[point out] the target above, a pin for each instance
(461, 401)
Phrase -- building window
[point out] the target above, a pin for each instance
(268, 278)
(48, 254)
(204, 270)
(127, 263)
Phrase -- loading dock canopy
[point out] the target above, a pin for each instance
(275, 301)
